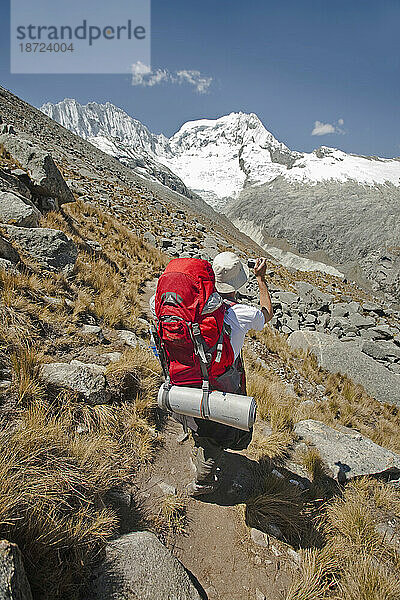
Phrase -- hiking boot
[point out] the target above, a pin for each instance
(198, 489)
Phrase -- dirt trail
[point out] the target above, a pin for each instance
(216, 547)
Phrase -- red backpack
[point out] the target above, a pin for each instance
(190, 324)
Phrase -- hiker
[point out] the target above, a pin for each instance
(199, 331)
(212, 438)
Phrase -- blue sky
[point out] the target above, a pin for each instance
(293, 63)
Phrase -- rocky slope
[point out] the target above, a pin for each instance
(82, 241)
(340, 209)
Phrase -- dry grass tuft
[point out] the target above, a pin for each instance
(316, 576)
(26, 364)
(276, 501)
(274, 446)
(273, 401)
(171, 518)
(137, 376)
(366, 579)
(313, 464)
(356, 562)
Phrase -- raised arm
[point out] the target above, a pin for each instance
(265, 299)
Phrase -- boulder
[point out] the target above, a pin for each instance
(312, 296)
(12, 182)
(347, 358)
(347, 453)
(384, 332)
(45, 177)
(342, 309)
(51, 248)
(372, 307)
(381, 350)
(128, 337)
(13, 582)
(137, 565)
(8, 267)
(150, 238)
(16, 211)
(361, 322)
(93, 331)
(87, 380)
(288, 298)
(7, 251)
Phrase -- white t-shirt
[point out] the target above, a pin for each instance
(241, 318)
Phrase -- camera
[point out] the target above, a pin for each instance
(251, 262)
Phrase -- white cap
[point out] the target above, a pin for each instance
(230, 272)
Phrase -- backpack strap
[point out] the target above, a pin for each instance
(199, 348)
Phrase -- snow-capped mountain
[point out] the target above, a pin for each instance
(216, 158)
(113, 131)
(342, 207)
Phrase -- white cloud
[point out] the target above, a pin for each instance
(143, 75)
(326, 128)
(195, 78)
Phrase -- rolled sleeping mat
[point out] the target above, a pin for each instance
(228, 409)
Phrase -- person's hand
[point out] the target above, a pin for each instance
(261, 267)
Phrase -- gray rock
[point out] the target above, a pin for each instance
(311, 295)
(167, 489)
(150, 238)
(13, 582)
(346, 452)
(337, 357)
(45, 176)
(138, 566)
(258, 537)
(360, 321)
(112, 356)
(370, 334)
(128, 337)
(395, 368)
(93, 330)
(342, 309)
(292, 324)
(339, 310)
(288, 298)
(17, 211)
(165, 243)
(8, 267)
(7, 251)
(382, 350)
(87, 380)
(340, 322)
(384, 332)
(94, 246)
(51, 248)
(372, 307)
(13, 182)
(310, 318)
(324, 319)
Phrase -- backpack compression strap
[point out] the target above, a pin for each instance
(199, 344)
